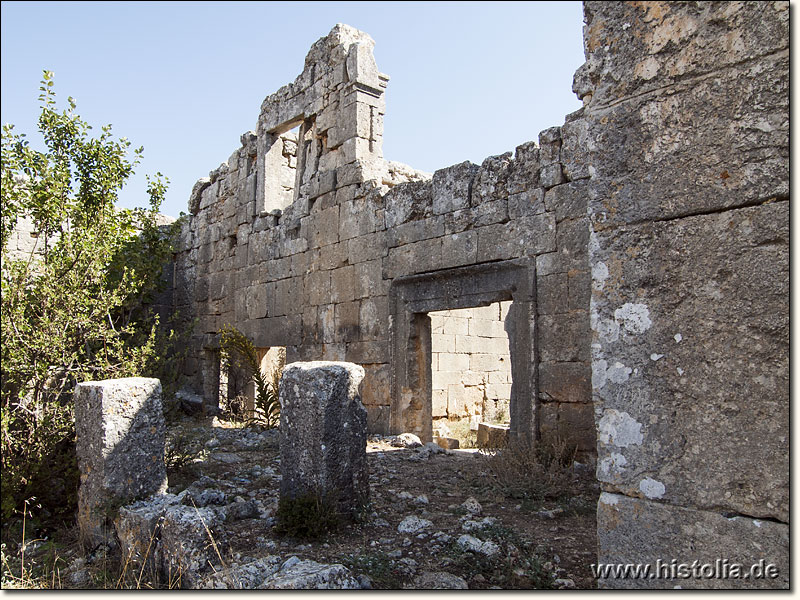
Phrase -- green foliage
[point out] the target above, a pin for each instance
(72, 308)
(238, 351)
(515, 566)
(311, 516)
(379, 567)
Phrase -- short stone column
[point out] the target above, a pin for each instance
(324, 434)
(120, 446)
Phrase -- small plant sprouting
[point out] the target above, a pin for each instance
(310, 516)
(238, 350)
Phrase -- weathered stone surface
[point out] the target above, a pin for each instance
(192, 544)
(138, 528)
(565, 381)
(656, 161)
(687, 113)
(296, 574)
(452, 187)
(470, 543)
(439, 580)
(323, 433)
(681, 350)
(492, 436)
(640, 531)
(247, 576)
(120, 447)
(413, 524)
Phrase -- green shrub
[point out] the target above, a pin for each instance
(311, 516)
(74, 309)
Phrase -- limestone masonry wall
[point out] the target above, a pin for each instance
(641, 250)
(316, 274)
(687, 117)
(471, 366)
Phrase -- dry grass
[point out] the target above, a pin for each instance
(533, 473)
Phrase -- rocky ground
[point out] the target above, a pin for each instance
(437, 519)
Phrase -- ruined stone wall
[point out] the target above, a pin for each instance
(331, 275)
(471, 365)
(687, 124)
(24, 240)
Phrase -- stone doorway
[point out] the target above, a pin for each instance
(414, 298)
(470, 371)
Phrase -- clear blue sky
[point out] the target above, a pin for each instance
(186, 79)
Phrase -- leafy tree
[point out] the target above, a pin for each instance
(73, 309)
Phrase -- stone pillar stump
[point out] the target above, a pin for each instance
(324, 434)
(120, 446)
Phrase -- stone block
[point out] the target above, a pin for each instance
(565, 382)
(453, 362)
(190, 538)
(374, 318)
(463, 401)
(369, 247)
(323, 227)
(498, 391)
(484, 328)
(408, 202)
(368, 280)
(575, 147)
(443, 343)
(551, 175)
(324, 434)
(378, 420)
(572, 240)
(738, 156)
(448, 444)
(120, 447)
(666, 44)
(333, 256)
(376, 385)
(138, 529)
(418, 257)
(317, 287)
(552, 295)
(363, 353)
(484, 363)
(454, 325)
(451, 187)
(525, 203)
(580, 289)
(640, 531)
(568, 423)
(491, 179)
(414, 231)
(527, 236)
(347, 322)
(288, 299)
(439, 403)
(564, 337)
(459, 249)
(342, 284)
(492, 436)
(327, 323)
(568, 201)
(687, 352)
(356, 218)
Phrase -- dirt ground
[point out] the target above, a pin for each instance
(544, 543)
(534, 536)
